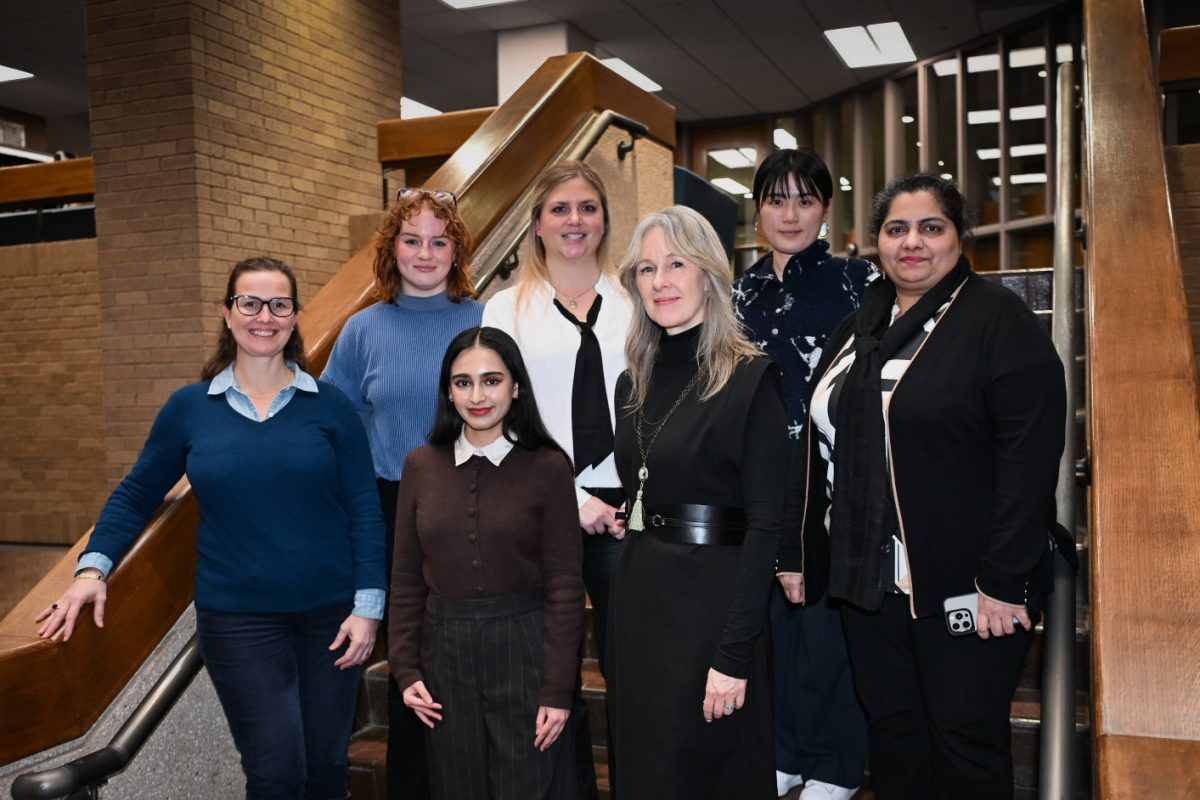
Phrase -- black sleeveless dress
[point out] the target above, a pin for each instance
(677, 610)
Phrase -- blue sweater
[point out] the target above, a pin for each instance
(289, 512)
(387, 359)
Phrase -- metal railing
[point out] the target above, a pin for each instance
(1057, 768)
(511, 236)
(83, 777)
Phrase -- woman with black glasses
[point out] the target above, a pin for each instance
(290, 568)
(387, 359)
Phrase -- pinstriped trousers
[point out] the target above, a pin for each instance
(482, 660)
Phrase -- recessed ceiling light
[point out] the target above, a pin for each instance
(411, 109)
(947, 66)
(630, 74)
(884, 43)
(1027, 112)
(990, 116)
(987, 63)
(730, 185)
(10, 74)
(461, 4)
(784, 140)
(735, 159)
(1032, 177)
(946, 176)
(908, 119)
(1016, 151)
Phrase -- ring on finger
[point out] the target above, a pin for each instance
(728, 707)
(54, 606)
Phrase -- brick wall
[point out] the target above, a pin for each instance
(1183, 179)
(51, 415)
(221, 129)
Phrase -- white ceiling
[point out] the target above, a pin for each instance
(714, 58)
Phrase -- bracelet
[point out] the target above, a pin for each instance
(89, 576)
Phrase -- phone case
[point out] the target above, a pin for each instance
(961, 612)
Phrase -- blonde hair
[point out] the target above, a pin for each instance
(723, 343)
(534, 271)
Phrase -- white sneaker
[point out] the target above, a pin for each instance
(818, 790)
(784, 783)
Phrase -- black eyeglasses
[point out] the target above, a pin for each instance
(250, 305)
(441, 195)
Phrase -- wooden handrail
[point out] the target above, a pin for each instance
(1179, 54)
(1144, 431)
(51, 691)
(54, 181)
(428, 137)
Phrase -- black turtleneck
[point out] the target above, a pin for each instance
(730, 450)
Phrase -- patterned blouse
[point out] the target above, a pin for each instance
(791, 319)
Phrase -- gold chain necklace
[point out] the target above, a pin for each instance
(637, 521)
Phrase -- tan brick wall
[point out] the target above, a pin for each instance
(1183, 178)
(51, 415)
(222, 129)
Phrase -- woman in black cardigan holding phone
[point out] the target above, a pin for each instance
(937, 423)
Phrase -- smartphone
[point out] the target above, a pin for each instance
(961, 612)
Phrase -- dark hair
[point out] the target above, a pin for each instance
(226, 351)
(522, 424)
(949, 199)
(387, 272)
(803, 164)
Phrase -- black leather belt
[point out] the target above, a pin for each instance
(688, 523)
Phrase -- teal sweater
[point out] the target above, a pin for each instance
(289, 511)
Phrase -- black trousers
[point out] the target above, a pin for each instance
(482, 660)
(820, 729)
(407, 770)
(937, 706)
(600, 552)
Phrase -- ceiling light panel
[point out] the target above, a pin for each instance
(10, 74)
(461, 4)
(872, 46)
(730, 185)
(630, 74)
(735, 158)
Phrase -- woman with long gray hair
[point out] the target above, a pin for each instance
(700, 441)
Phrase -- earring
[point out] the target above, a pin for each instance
(824, 232)
(756, 226)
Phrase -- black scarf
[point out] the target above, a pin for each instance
(591, 425)
(864, 513)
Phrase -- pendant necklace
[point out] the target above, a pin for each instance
(572, 302)
(637, 521)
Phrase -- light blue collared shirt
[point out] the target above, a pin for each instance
(368, 603)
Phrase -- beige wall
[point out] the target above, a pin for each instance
(221, 129)
(51, 414)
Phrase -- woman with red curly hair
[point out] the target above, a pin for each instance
(387, 359)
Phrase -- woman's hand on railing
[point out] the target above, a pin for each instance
(88, 587)
(418, 698)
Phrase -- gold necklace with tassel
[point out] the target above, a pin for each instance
(637, 517)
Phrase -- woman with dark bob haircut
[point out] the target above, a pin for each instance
(486, 610)
(386, 359)
(936, 426)
(289, 572)
(789, 302)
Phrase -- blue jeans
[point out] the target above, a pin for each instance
(289, 709)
